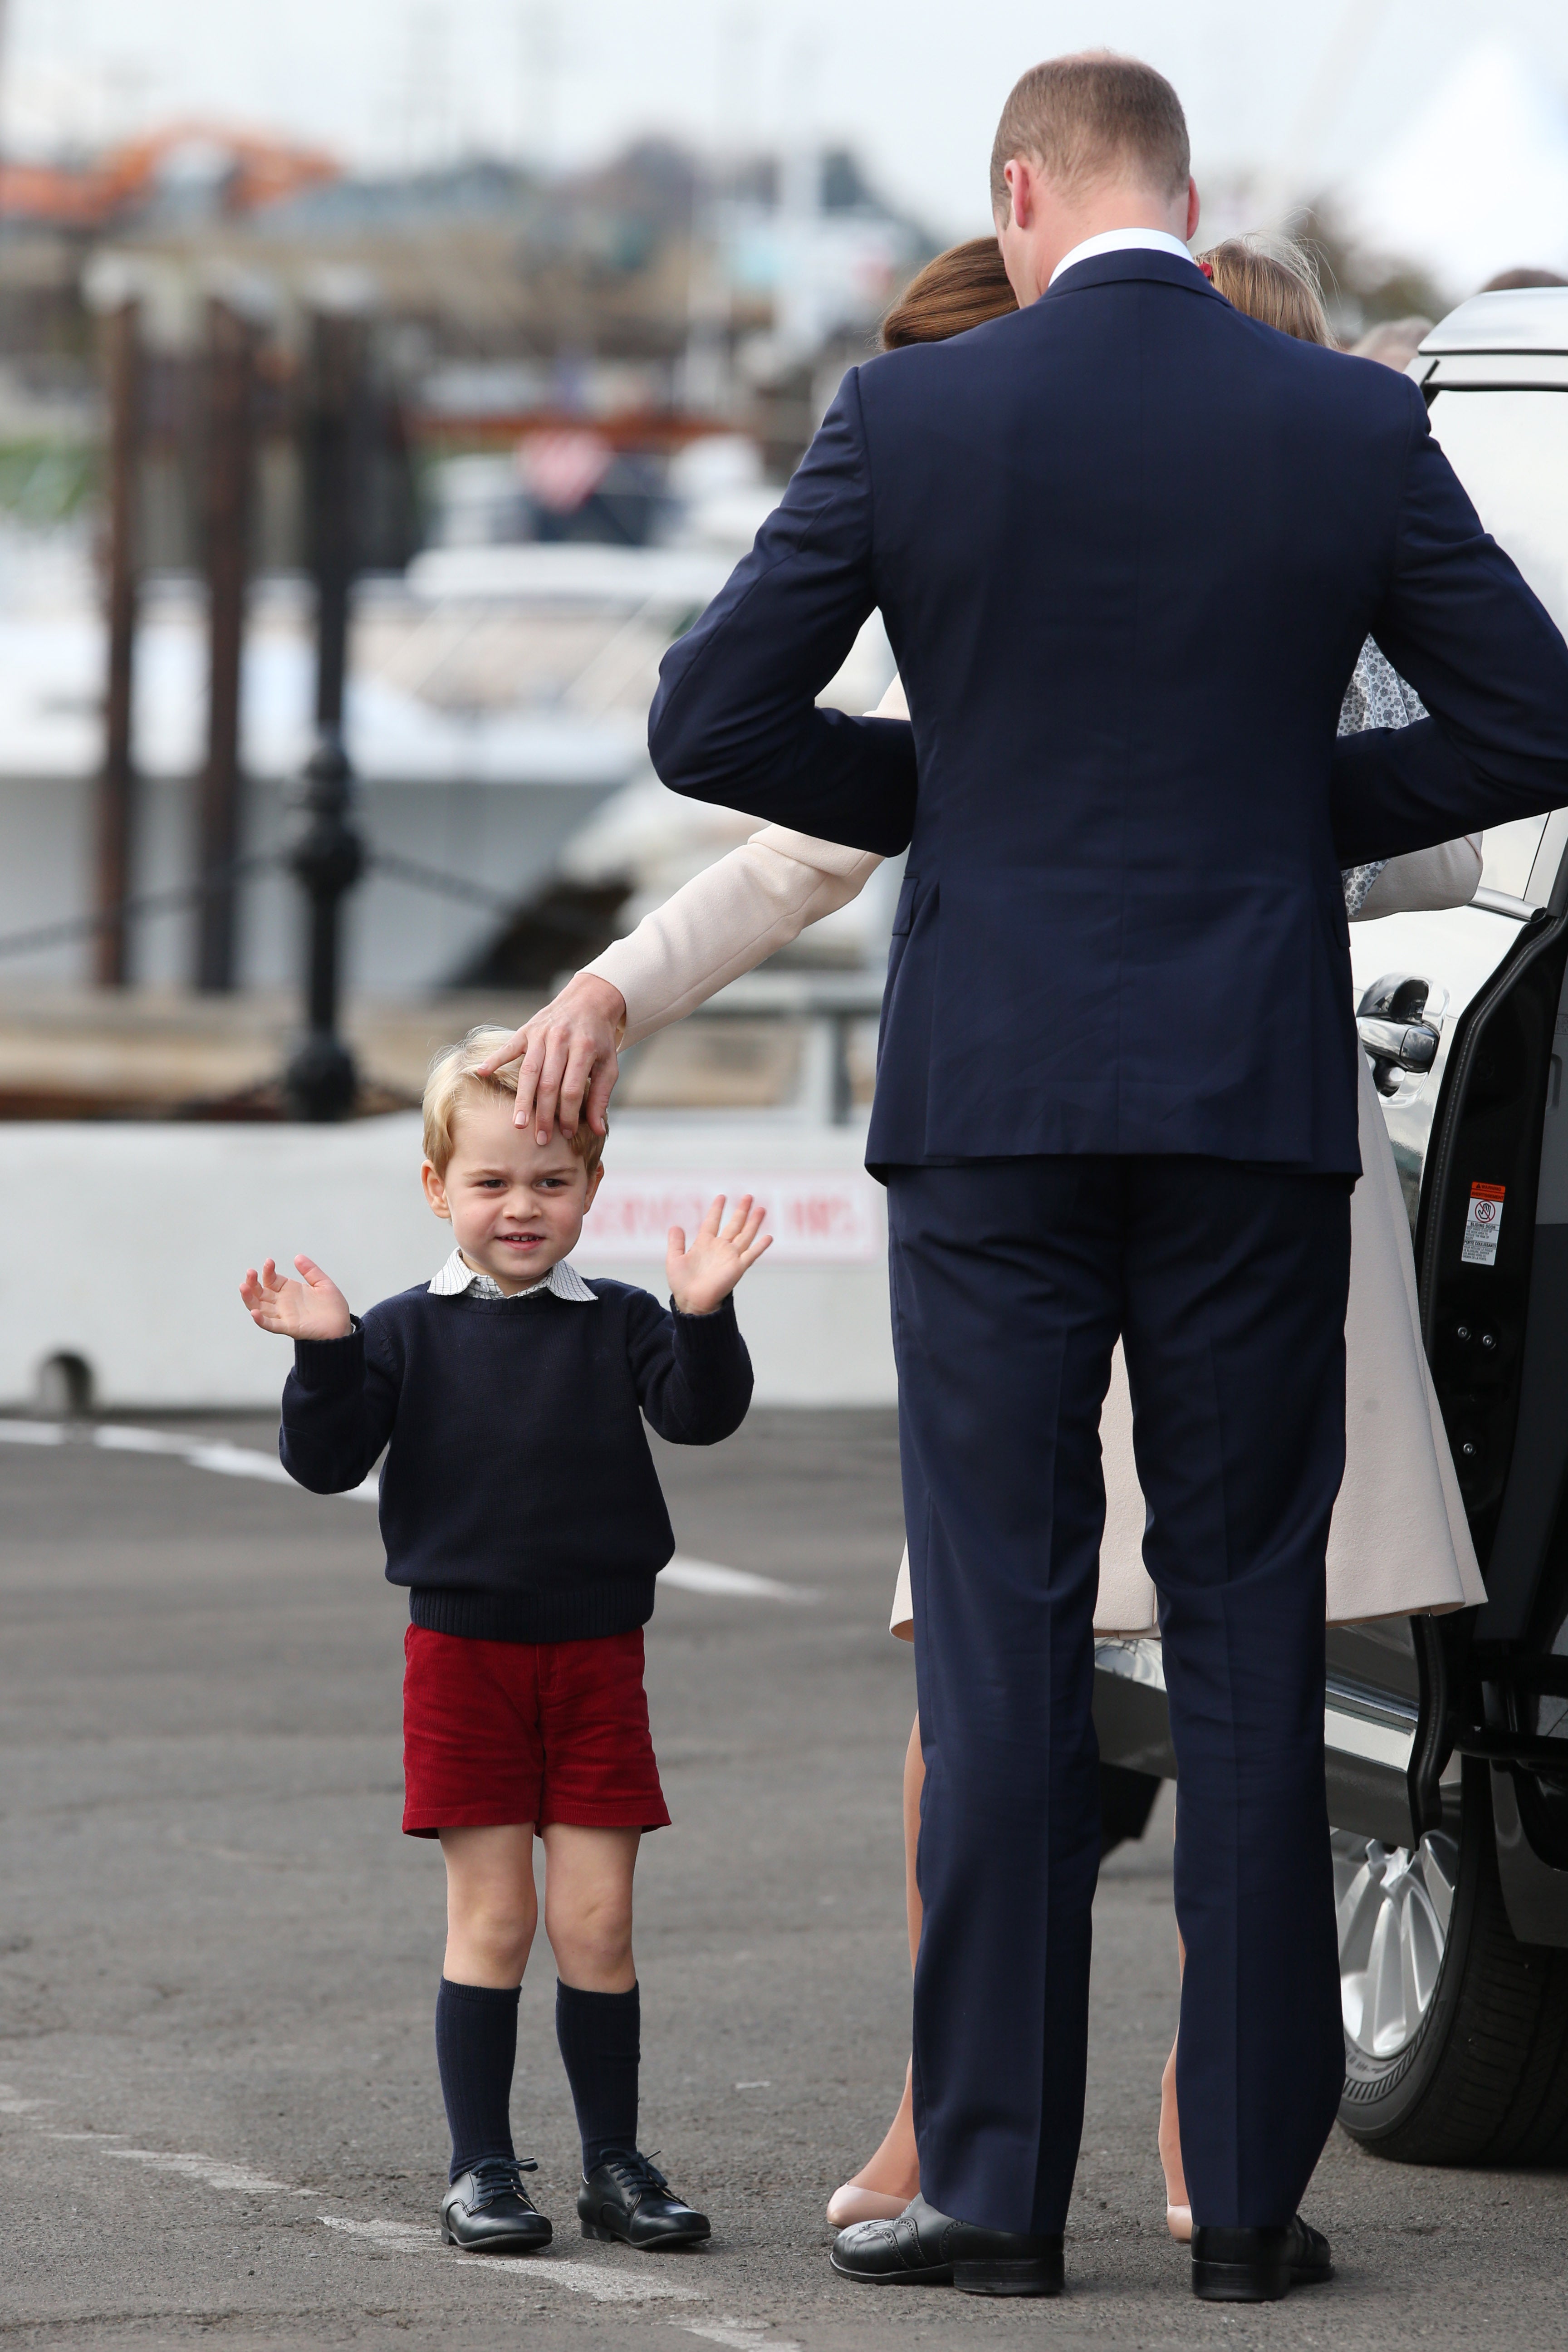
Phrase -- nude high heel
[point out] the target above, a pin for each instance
(848, 2205)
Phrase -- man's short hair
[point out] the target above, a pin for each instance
(1088, 118)
(454, 1080)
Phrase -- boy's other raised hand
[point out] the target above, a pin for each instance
(311, 1308)
(701, 1277)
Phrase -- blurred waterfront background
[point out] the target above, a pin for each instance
(382, 389)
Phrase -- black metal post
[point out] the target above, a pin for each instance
(329, 855)
(117, 785)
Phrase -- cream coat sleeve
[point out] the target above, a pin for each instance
(1425, 878)
(728, 919)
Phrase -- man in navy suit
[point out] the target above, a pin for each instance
(1127, 544)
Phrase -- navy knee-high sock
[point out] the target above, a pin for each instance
(475, 2050)
(599, 2033)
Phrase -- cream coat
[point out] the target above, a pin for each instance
(1399, 1545)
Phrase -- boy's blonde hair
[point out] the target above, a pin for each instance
(454, 1079)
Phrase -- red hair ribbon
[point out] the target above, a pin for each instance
(1208, 269)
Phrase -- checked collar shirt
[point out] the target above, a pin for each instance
(458, 1276)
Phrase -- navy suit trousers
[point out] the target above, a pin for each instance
(1010, 1281)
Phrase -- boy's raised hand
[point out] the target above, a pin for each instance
(702, 1276)
(311, 1308)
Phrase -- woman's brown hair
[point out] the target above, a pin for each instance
(962, 287)
(967, 285)
(1275, 282)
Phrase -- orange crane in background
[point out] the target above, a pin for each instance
(253, 171)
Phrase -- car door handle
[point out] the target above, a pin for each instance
(1403, 1044)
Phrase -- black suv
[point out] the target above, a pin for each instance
(1447, 1737)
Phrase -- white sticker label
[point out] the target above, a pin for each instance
(1483, 1226)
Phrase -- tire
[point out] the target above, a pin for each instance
(1455, 2033)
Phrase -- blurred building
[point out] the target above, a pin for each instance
(585, 395)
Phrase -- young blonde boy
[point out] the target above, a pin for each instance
(521, 1506)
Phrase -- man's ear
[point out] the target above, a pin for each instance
(1194, 208)
(1020, 188)
(435, 1192)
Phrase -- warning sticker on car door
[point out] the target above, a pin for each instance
(1483, 1224)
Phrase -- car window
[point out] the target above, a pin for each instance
(1508, 853)
(1510, 451)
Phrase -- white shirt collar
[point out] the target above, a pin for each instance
(458, 1276)
(1123, 240)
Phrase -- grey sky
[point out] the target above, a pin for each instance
(915, 84)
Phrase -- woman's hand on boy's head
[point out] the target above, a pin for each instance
(311, 1308)
(701, 1277)
(567, 1058)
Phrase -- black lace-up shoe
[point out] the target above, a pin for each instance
(1257, 2266)
(925, 2247)
(489, 2211)
(628, 2198)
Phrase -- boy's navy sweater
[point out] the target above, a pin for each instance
(518, 1499)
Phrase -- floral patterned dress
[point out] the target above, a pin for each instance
(1376, 697)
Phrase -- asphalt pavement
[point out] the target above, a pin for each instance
(219, 2117)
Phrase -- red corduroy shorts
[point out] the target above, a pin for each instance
(526, 1731)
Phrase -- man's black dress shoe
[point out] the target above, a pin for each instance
(1257, 2266)
(489, 2212)
(628, 2198)
(925, 2247)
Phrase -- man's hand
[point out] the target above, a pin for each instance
(568, 1051)
(311, 1308)
(701, 1277)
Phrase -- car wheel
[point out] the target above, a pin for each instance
(1455, 2033)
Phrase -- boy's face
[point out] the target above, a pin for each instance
(515, 1206)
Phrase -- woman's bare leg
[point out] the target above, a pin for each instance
(893, 2175)
(1178, 2206)
(914, 1781)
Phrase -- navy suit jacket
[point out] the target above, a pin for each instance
(1127, 543)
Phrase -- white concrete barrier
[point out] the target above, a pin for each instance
(125, 1244)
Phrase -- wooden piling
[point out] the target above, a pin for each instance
(116, 814)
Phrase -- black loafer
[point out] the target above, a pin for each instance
(628, 2200)
(1257, 2266)
(488, 2211)
(925, 2247)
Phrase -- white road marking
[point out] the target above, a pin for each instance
(755, 2087)
(210, 2170)
(408, 2237)
(598, 2281)
(241, 1462)
(730, 2332)
(216, 1454)
(227, 1461)
(114, 1439)
(607, 2285)
(199, 1452)
(710, 1576)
